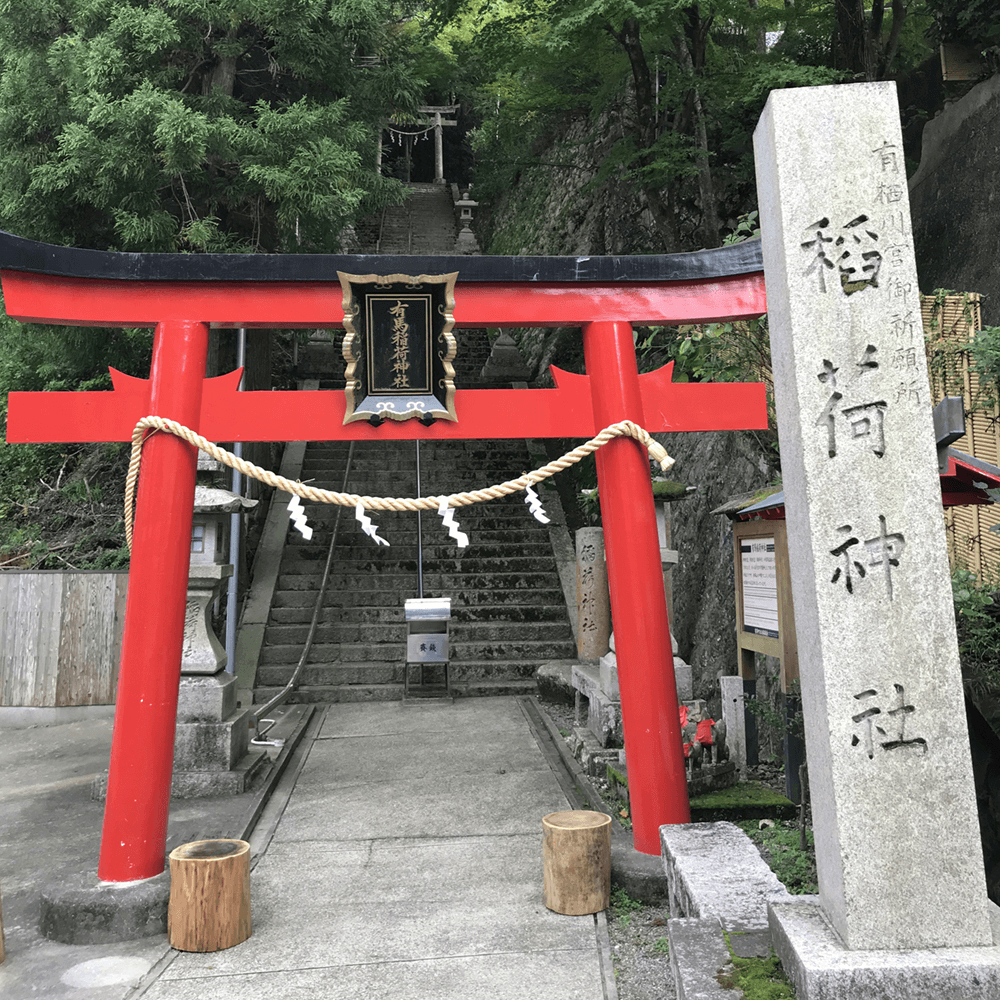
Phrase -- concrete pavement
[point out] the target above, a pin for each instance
(400, 856)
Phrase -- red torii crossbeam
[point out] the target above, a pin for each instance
(182, 295)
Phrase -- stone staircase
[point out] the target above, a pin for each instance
(508, 610)
(423, 224)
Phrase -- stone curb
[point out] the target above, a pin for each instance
(79, 912)
(699, 958)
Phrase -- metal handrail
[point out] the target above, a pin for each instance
(259, 713)
(381, 229)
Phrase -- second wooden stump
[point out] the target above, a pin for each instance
(576, 856)
(209, 895)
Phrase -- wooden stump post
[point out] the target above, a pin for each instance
(209, 895)
(576, 855)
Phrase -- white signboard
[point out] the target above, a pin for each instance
(760, 587)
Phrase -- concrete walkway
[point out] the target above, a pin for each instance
(406, 863)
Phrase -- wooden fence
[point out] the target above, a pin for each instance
(950, 322)
(60, 637)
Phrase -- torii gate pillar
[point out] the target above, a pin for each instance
(146, 704)
(635, 580)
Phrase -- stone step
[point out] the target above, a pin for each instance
(356, 547)
(376, 674)
(479, 670)
(471, 563)
(441, 583)
(435, 547)
(461, 632)
(503, 508)
(461, 652)
(366, 454)
(277, 675)
(362, 553)
(537, 650)
(501, 615)
(334, 693)
(381, 598)
(386, 652)
(323, 674)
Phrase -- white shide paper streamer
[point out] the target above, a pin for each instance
(366, 524)
(448, 518)
(298, 516)
(535, 505)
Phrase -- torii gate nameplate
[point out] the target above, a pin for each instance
(182, 295)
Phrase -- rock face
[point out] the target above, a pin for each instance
(955, 215)
(719, 465)
(562, 212)
(554, 212)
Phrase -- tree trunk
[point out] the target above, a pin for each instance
(644, 130)
(760, 33)
(706, 185)
(222, 77)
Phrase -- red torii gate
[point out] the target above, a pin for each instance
(182, 295)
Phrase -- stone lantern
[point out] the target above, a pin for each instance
(210, 749)
(466, 242)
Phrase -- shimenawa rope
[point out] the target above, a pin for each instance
(624, 428)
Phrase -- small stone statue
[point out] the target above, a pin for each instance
(704, 738)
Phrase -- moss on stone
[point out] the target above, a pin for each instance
(748, 793)
(665, 489)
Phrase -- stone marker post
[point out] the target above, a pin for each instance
(894, 809)
(592, 601)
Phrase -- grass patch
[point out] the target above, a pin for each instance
(779, 845)
(758, 978)
(623, 906)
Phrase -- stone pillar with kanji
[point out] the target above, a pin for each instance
(902, 907)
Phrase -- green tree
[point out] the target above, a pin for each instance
(180, 125)
(196, 124)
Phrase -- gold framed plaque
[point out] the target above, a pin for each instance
(399, 346)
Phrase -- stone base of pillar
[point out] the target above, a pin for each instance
(211, 746)
(604, 709)
(212, 752)
(466, 242)
(819, 966)
(234, 781)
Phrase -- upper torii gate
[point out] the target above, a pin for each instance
(182, 295)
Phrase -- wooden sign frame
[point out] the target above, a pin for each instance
(750, 642)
